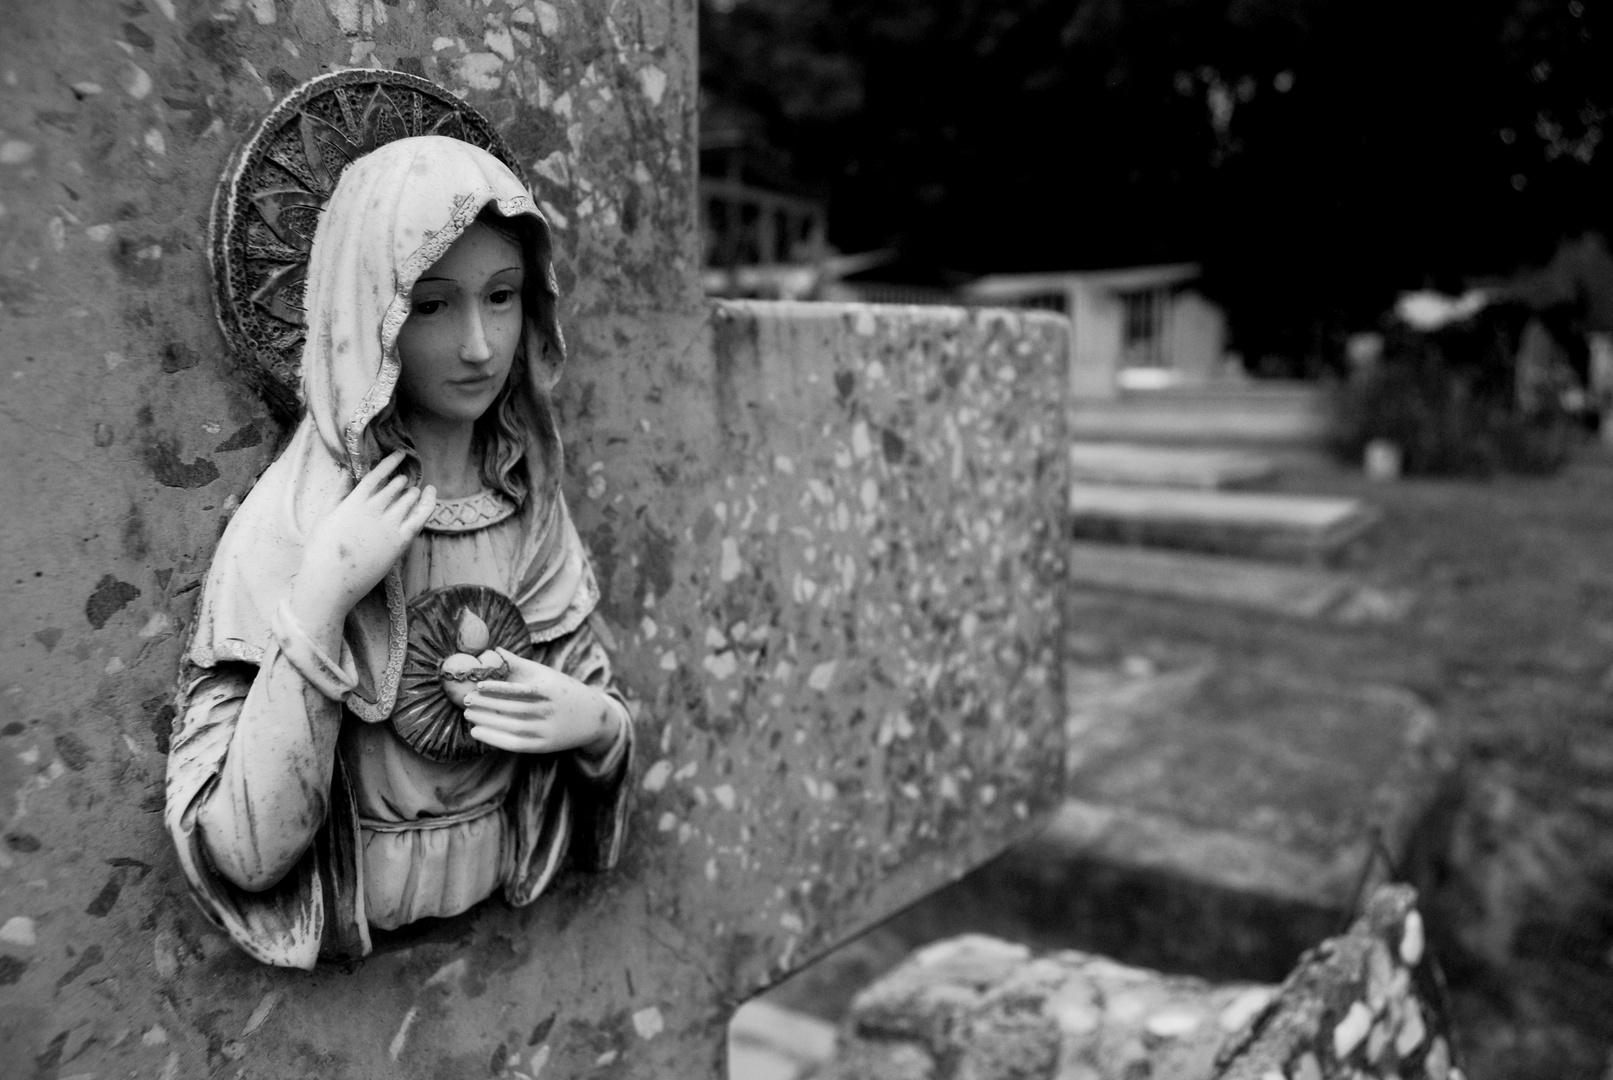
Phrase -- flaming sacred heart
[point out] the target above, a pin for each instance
(473, 663)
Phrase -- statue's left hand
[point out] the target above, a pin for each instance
(538, 710)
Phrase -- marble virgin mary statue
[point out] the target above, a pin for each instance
(394, 703)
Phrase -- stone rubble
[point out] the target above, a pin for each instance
(1361, 1006)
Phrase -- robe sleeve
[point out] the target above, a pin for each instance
(313, 909)
(586, 796)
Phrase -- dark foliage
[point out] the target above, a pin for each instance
(1316, 155)
(1447, 400)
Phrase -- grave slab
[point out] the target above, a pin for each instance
(1219, 820)
(1168, 466)
(1363, 1004)
(1265, 414)
(824, 540)
(1295, 591)
(997, 1009)
(1256, 524)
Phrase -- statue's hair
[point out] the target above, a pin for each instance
(506, 430)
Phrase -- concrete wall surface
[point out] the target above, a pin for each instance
(824, 539)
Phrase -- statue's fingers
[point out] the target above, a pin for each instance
(516, 720)
(383, 469)
(426, 502)
(517, 727)
(531, 671)
(391, 492)
(503, 690)
(531, 677)
(401, 508)
(503, 740)
(488, 718)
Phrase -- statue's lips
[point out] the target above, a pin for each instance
(461, 672)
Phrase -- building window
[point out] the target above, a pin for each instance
(1048, 301)
(1144, 342)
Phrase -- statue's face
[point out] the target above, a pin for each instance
(464, 326)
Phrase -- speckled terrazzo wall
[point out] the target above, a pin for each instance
(824, 535)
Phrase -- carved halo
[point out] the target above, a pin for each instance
(268, 201)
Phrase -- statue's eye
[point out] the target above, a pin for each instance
(427, 307)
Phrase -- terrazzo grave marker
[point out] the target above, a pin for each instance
(735, 874)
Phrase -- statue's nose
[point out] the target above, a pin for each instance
(474, 347)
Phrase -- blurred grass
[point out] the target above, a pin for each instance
(1511, 641)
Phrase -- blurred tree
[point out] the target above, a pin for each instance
(1316, 155)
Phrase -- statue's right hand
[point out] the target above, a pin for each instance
(351, 550)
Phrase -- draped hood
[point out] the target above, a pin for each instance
(393, 214)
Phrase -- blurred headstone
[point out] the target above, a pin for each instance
(1382, 460)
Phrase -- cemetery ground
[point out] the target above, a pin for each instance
(1510, 640)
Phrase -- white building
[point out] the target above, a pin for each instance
(1141, 327)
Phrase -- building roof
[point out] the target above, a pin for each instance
(1118, 279)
